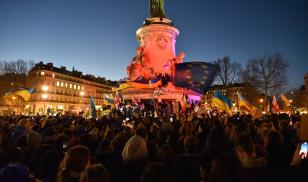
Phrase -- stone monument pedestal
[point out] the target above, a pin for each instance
(166, 93)
(155, 57)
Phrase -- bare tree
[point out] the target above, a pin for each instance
(9, 67)
(20, 66)
(30, 65)
(230, 71)
(1, 67)
(267, 73)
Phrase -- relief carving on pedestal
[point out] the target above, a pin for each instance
(162, 42)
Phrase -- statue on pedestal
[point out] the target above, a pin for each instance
(157, 9)
(139, 66)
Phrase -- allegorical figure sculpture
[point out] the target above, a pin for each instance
(139, 66)
(157, 9)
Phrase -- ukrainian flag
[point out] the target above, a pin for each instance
(109, 98)
(92, 108)
(23, 93)
(222, 102)
(244, 104)
(140, 83)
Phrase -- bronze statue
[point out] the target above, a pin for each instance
(157, 9)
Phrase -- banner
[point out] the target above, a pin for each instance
(197, 76)
(139, 83)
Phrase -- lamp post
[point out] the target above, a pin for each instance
(234, 108)
(81, 94)
(261, 103)
(44, 96)
(291, 105)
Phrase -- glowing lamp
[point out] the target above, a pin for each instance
(45, 88)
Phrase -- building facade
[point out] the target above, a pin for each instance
(58, 90)
(231, 91)
(306, 90)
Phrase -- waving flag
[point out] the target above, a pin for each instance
(275, 106)
(109, 98)
(244, 104)
(197, 76)
(183, 102)
(139, 83)
(285, 100)
(222, 102)
(21, 92)
(92, 108)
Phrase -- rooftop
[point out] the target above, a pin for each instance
(74, 73)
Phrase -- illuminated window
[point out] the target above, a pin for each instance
(71, 85)
(82, 88)
(78, 87)
(75, 87)
(53, 75)
(58, 83)
(60, 107)
(62, 84)
(66, 85)
(42, 73)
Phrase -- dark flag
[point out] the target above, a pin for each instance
(197, 76)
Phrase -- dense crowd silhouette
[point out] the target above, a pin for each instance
(154, 142)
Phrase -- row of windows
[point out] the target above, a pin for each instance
(69, 85)
(65, 78)
(42, 73)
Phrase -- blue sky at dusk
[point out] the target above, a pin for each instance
(98, 36)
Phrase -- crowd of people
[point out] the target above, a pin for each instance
(154, 142)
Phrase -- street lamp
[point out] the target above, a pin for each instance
(44, 96)
(291, 105)
(261, 102)
(81, 94)
(45, 88)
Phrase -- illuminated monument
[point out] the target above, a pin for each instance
(156, 57)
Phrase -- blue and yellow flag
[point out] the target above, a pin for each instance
(25, 94)
(109, 98)
(244, 104)
(197, 76)
(222, 102)
(92, 108)
(139, 83)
